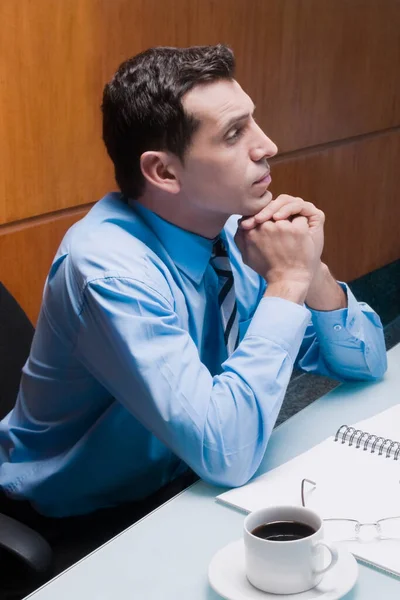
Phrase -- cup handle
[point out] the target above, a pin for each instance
(334, 557)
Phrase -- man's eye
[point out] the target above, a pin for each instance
(234, 134)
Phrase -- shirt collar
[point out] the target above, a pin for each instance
(190, 252)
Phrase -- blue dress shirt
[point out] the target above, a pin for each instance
(128, 380)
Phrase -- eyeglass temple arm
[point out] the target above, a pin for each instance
(303, 482)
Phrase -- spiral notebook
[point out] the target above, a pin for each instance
(357, 472)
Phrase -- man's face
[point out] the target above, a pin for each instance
(228, 154)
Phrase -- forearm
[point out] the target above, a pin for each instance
(324, 293)
(247, 396)
(294, 291)
(345, 343)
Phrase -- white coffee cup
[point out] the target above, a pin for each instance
(286, 567)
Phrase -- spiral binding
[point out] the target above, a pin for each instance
(374, 443)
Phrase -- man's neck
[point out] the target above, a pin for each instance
(175, 210)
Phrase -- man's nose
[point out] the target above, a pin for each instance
(263, 147)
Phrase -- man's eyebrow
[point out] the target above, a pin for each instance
(236, 119)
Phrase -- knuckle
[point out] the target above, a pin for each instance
(283, 225)
(312, 209)
(283, 199)
(300, 224)
(265, 226)
(300, 204)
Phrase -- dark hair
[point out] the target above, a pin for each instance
(142, 105)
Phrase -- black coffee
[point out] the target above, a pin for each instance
(283, 531)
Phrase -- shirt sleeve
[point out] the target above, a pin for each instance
(346, 344)
(130, 339)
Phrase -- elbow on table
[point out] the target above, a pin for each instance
(373, 368)
(232, 458)
(229, 480)
(230, 473)
(377, 363)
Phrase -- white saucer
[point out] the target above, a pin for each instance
(227, 577)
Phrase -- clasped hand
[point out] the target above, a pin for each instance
(284, 241)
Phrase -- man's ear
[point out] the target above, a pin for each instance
(160, 169)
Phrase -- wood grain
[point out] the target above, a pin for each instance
(321, 72)
(317, 70)
(356, 185)
(26, 253)
(51, 151)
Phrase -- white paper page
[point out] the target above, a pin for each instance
(385, 423)
(351, 483)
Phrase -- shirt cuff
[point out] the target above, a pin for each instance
(343, 324)
(281, 322)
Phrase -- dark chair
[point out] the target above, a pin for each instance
(16, 333)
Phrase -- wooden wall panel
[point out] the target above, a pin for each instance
(51, 152)
(318, 71)
(356, 185)
(26, 253)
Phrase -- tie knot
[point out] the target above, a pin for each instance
(219, 249)
(220, 260)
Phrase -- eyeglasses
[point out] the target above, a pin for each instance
(352, 529)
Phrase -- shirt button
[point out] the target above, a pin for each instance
(367, 350)
(337, 327)
(351, 322)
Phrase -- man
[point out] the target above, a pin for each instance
(148, 357)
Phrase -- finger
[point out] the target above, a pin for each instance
(300, 223)
(258, 219)
(283, 207)
(275, 206)
(251, 221)
(307, 210)
(247, 223)
(317, 220)
(315, 217)
(293, 208)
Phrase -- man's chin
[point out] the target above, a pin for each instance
(256, 205)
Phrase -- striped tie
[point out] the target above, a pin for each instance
(226, 295)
